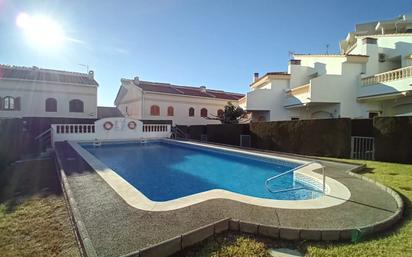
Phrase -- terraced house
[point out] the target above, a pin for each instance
(180, 105)
(43, 93)
(372, 76)
(40, 97)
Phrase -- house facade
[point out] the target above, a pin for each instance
(180, 105)
(42, 93)
(371, 76)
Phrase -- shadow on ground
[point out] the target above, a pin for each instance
(23, 180)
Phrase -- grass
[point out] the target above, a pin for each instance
(397, 242)
(33, 217)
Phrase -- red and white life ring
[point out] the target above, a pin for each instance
(131, 125)
(108, 125)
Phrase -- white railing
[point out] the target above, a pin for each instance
(155, 127)
(109, 129)
(73, 128)
(387, 76)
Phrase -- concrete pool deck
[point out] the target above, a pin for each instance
(108, 226)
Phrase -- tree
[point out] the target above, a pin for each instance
(231, 115)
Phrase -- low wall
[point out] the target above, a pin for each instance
(109, 129)
(393, 139)
(37, 125)
(326, 137)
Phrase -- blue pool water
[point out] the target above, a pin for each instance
(165, 171)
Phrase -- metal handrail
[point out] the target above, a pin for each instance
(42, 134)
(292, 170)
(179, 131)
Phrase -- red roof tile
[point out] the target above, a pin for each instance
(185, 90)
(37, 74)
(108, 112)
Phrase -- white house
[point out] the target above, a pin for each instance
(371, 76)
(42, 93)
(181, 105)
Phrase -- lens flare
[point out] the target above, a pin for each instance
(40, 31)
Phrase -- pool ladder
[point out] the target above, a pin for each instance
(292, 170)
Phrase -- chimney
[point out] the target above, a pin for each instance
(136, 80)
(294, 62)
(91, 74)
(255, 76)
(203, 89)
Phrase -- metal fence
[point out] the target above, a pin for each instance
(245, 140)
(363, 148)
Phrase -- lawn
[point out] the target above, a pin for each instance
(33, 217)
(397, 242)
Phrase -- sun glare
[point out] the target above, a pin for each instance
(41, 31)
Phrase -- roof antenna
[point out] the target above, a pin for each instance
(86, 66)
(327, 49)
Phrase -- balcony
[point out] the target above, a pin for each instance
(260, 100)
(386, 84)
(298, 95)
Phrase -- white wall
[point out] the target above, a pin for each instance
(392, 45)
(119, 131)
(34, 94)
(269, 98)
(138, 105)
(181, 105)
(130, 104)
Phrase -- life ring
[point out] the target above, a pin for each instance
(108, 125)
(131, 125)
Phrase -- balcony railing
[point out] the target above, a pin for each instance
(387, 76)
(299, 90)
(73, 128)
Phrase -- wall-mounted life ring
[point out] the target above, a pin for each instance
(131, 125)
(108, 125)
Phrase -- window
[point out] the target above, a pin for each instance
(220, 113)
(191, 112)
(170, 111)
(294, 118)
(11, 103)
(76, 105)
(51, 105)
(203, 112)
(373, 115)
(154, 110)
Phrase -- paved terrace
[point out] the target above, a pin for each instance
(116, 229)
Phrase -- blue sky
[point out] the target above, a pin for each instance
(215, 43)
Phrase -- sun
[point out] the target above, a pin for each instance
(41, 31)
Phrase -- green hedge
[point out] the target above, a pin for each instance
(327, 137)
(11, 140)
(393, 139)
(362, 127)
(226, 133)
(196, 131)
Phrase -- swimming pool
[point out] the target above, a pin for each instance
(164, 171)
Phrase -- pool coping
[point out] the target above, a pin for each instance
(337, 193)
(176, 244)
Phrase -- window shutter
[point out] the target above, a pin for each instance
(17, 104)
(1, 103)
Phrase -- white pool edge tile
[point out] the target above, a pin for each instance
(337, 193)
